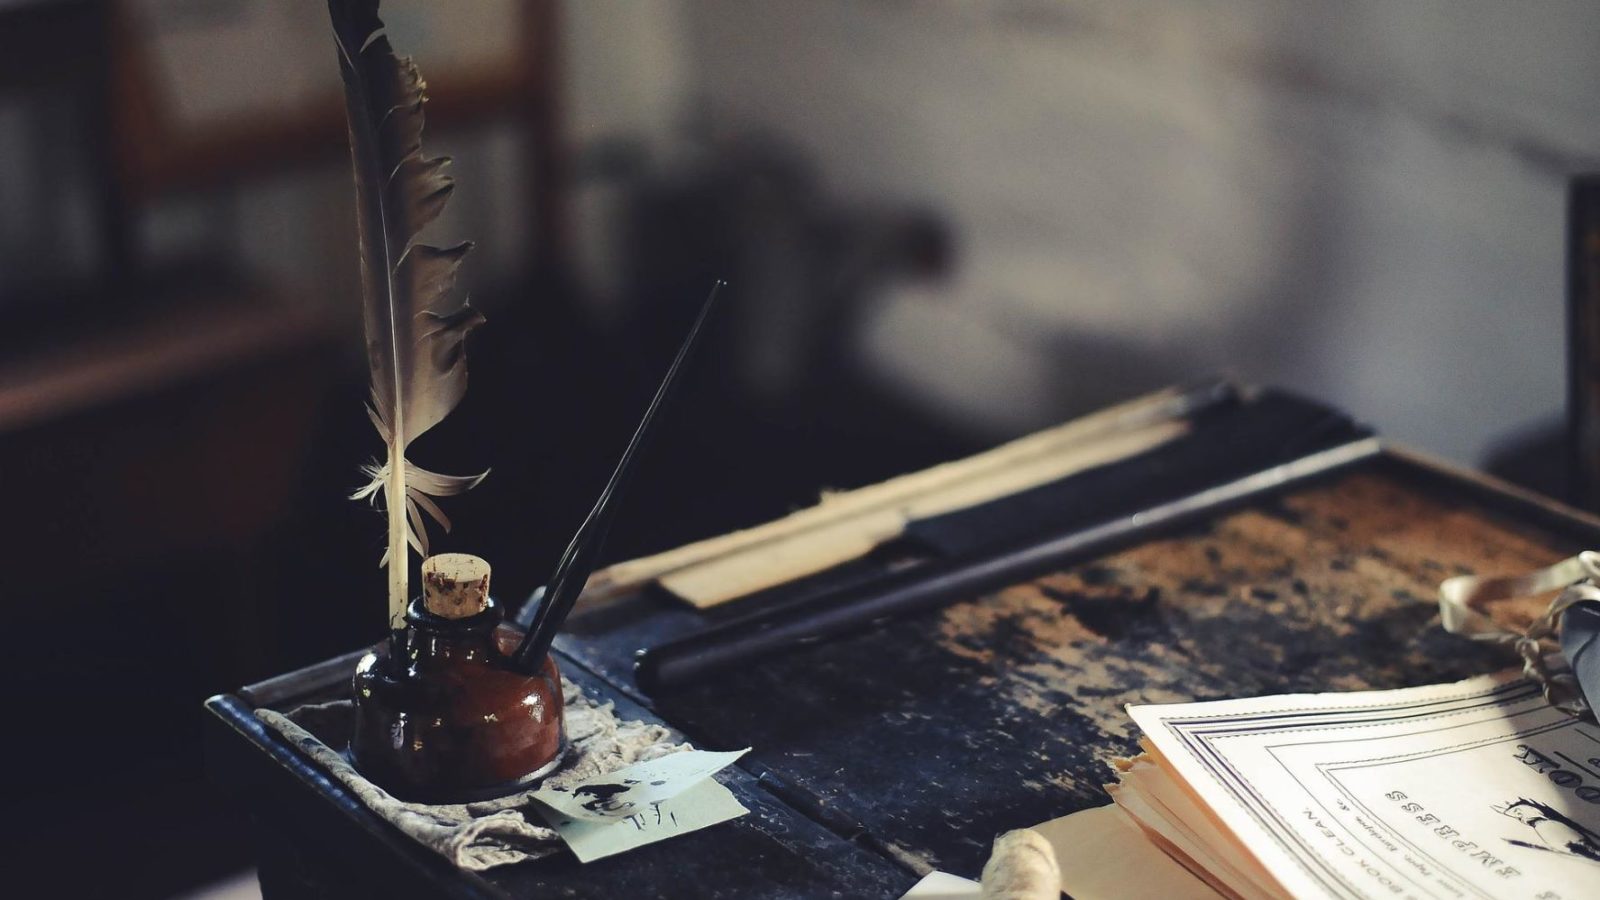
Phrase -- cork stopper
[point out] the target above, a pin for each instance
(455, 585)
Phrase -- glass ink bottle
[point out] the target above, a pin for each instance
(443, 715)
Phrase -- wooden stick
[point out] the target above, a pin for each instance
(789, 557)
(868, 505)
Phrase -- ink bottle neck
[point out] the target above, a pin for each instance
(430, 638)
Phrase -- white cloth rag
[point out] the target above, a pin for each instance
(489, 833)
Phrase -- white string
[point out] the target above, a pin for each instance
(1578, 576)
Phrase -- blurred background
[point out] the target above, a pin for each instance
(946, 223)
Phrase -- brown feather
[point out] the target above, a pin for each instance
(415, 332)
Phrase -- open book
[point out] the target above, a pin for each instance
(1473, 789)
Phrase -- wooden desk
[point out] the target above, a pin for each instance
(912, 744)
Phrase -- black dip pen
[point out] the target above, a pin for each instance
(1137, 497)
(572, 572)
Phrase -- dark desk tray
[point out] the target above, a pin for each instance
(315, 839)
(930, 734)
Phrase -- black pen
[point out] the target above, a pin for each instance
(681, 662)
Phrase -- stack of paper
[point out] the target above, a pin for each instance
(1472, 789)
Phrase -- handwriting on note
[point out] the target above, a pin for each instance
(702, 805)
(641, 804)
(631, 789)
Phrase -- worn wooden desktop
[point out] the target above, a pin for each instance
(909, 746)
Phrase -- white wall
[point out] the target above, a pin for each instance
(1360, 200)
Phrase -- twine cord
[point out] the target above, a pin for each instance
(1578, 577)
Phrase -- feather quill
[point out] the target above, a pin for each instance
(414, 330)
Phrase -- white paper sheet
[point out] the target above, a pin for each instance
(1104, 856)
(1163, 807)
(631, 789)
(943, 886)
(641, 804)
(704, 804)
(1473, 789)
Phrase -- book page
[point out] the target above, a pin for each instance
(1474, 789)
(1155, 799)
(1103, 855)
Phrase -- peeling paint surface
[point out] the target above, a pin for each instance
(932, 734)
